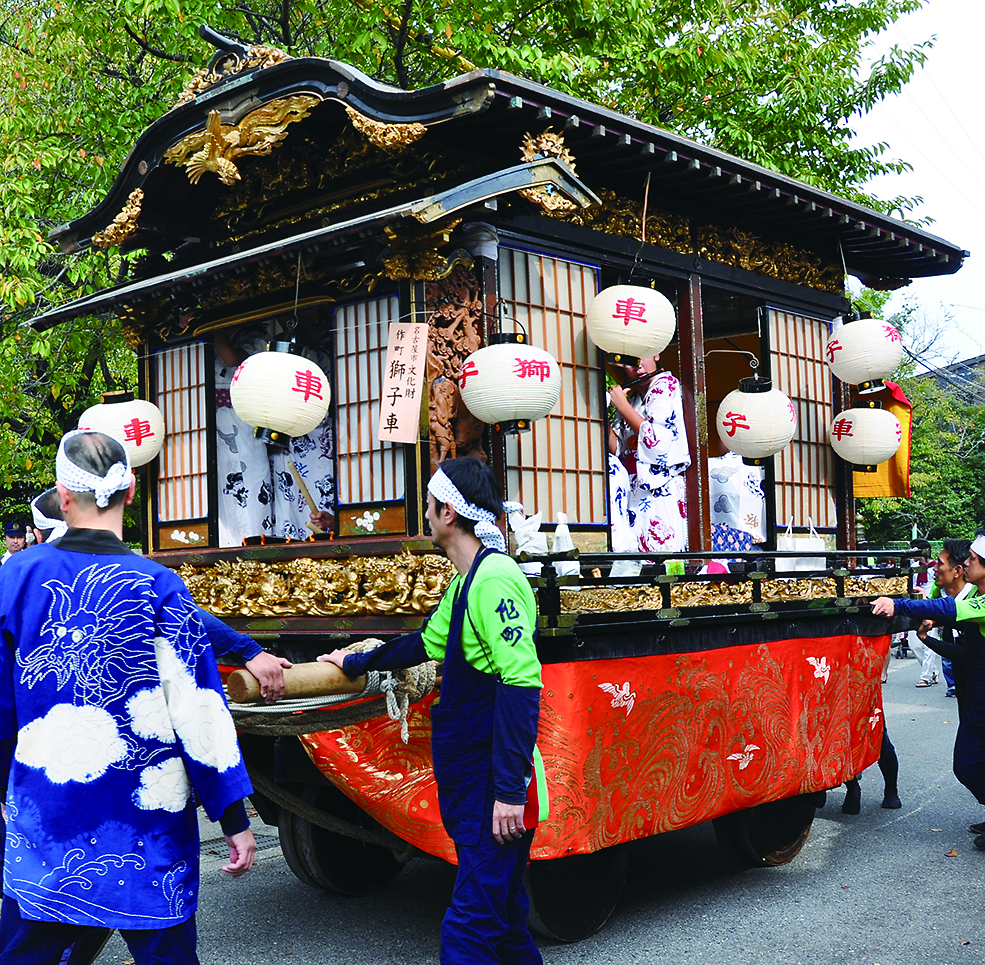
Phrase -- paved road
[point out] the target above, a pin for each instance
(876, 888)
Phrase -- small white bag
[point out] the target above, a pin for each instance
(813, 542)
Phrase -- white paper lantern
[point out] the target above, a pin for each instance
(279, 393)
(135, 423)
(756, 420)
(510, 384)
(864, 352)
(630, 322)
(865, 436)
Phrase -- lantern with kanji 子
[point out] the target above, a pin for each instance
(756, 421)
(510, 384)
(280, 393)
(864, 352)
(135, 423)
(865, 435)
(630, 323)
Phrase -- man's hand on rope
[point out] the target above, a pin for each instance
(507, 822)
(269, 671)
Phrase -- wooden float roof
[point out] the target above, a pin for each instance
(487, 113)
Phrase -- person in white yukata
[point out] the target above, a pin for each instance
(112, 722)
(649, 440)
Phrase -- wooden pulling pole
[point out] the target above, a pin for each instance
(301, 680)
(307, 496)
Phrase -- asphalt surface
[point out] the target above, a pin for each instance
(880, 888)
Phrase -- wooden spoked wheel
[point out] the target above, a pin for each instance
(331, 861)
(768, 834)
(572, 898)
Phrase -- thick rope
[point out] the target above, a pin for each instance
(286, 799)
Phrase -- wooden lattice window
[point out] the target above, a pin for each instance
(179, 375)
(804, 469)
(560, 464)
(369, 470)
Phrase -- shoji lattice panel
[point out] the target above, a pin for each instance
(805, 469)
(183, 464)
(560, 463)
(369, 470)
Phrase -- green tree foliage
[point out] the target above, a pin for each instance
(774, 81)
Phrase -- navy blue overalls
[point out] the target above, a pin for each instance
(487, 920)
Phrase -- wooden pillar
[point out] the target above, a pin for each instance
(692, 355)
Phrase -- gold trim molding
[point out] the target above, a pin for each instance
(218, 146)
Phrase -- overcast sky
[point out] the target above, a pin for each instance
(936, 125)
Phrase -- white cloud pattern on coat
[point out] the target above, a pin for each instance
(164, 786)
(71, 744)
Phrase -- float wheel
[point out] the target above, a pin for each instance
(573, 897)
(768, 834)
(331, 861)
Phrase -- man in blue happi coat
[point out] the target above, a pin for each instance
(484, 726)
(111, 716)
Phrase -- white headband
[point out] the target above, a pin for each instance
(57, 527)
(445, 491)
(978, 545)
(118, 477)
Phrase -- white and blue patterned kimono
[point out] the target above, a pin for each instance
(111, 716)
(656, 459)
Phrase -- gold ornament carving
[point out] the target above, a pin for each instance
(258, 133)
(387, 137)
(710, 594)
(547, 144)
(876, 586)
(413, 254)
(400, 585)
(454, 307)
(123, 225)
(259, 55)
(783, 591)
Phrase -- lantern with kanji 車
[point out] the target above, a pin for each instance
(280, 393)
(864, 352)
(135, 423)
(510, 384)
(865, 435)
(756, 420)
(630, 323)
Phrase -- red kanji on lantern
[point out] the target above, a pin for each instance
(793, 411)
(629, 309)
(892, 333)
(733, 421)
(842, 428)
(833, 346)
(469, 368)
(137, 430)
(308, 383)
(531, 368)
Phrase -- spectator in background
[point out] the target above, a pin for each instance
(921, 582)
(14, 538)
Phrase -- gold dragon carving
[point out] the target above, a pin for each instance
(454, 307)
(388, 137)
(218, 146)
(400, 585)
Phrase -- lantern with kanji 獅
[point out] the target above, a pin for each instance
(756, 420)
(280, 393)
(864, 352)
(135, 423)
(630, 323)
(510, 384)
(865, 435)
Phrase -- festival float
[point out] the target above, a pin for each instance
(453, 271)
